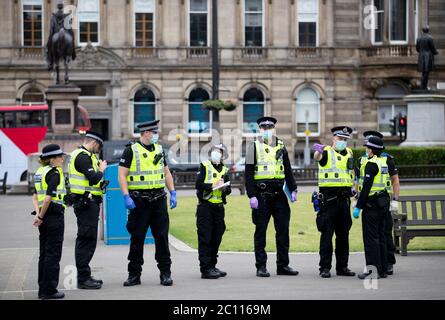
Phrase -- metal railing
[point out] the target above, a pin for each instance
(408, 173)
(422, 173)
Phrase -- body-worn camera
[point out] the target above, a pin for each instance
(157, 158)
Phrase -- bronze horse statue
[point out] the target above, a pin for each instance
(60, 43)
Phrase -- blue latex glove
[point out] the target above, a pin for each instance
(254, 203)
(173, 201)
(293, 196)
(129, 203)
(356, 213)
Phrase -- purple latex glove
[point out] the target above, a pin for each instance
(293, 196)
(254, 203)
(318, 147)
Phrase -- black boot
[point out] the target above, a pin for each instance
(166, 279)
(57, 295)
(345, 272)
(210, 274)
(262, 272)
(325, 273)
(221, 273)
(364, 275)
(286, 271)
(89, 284)
(97, 281)
(390, 269)
(132, 281)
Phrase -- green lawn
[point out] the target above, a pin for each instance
(304, 236)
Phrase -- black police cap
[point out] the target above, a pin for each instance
(342, 131)
(96, 136)
(374, 143)
(266, 121)
(51, 150)
(148, 126)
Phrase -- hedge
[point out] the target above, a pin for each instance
(411, 155)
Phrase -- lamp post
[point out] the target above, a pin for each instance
(215, 66)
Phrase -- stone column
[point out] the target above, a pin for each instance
(115, 85)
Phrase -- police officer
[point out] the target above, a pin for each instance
(335, 181)
(213, 174)
(85, 176)
(374, 201)
(267, 169)
(143, 174)
(48, 201)
(392, 186)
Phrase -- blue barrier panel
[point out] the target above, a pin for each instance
(115, 213)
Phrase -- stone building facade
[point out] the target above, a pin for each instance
(323, 62)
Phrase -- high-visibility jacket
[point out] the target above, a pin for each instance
(382, 180)
(363, 160)
(144, 173)
(267, 165)
(212, 176)
(41, 186)
(336, 172)
(79, 183)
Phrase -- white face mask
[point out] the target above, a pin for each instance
(215, 156)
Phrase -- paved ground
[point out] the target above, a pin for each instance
(418, 276)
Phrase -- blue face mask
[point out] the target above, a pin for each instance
(267, 135)
(154, 139)
(341, 145)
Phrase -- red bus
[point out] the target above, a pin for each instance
(22, 128)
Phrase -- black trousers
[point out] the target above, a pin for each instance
(277, 207)
(86, 241)
(154, 215)
(374, 238)
(334, 217)
(390, 246)
(211, 226)
(51, 242)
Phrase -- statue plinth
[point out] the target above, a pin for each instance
(62, 116)
(425, 120)
(62, 108)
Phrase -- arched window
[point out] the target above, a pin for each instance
(390, 105)
(144, 107)
(33, 96)
(253, 108)
(308, 111)
(199, 117)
